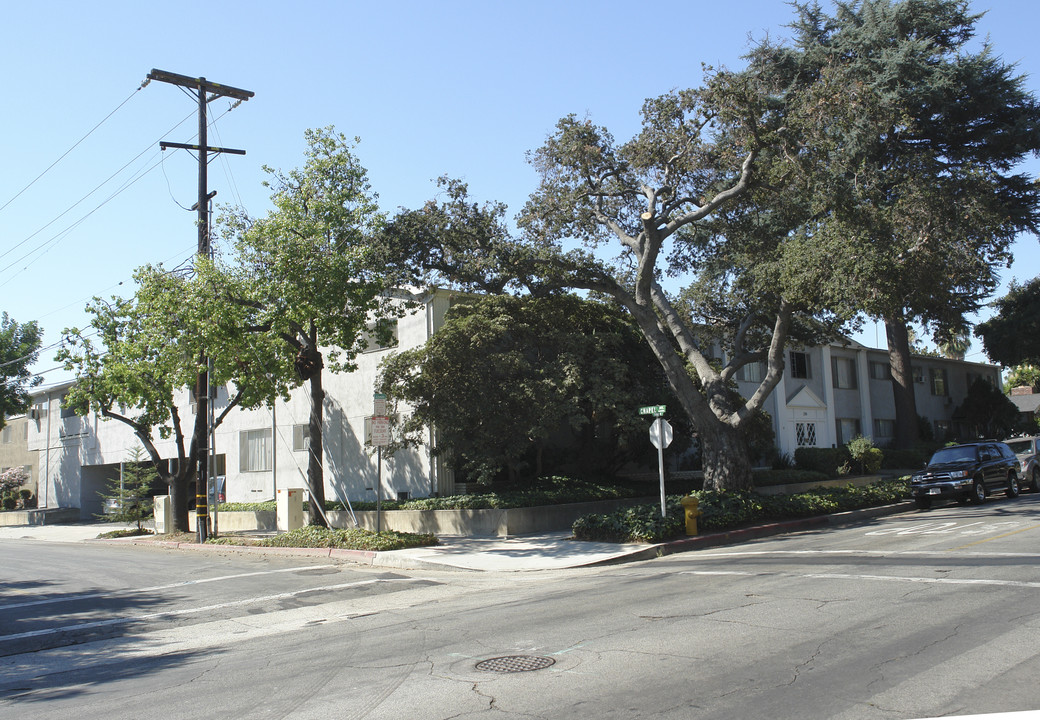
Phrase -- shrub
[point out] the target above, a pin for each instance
(724, 510)
(825, 460)
(864, 454)
(764, 478)
(349, 539)
(9, 502)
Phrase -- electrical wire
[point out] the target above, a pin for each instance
(62, 157)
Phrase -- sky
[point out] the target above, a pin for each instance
(463, 88)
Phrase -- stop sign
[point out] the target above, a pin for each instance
(661, 433)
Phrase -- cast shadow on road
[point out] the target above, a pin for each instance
(56, 644)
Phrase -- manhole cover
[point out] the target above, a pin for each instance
(515, 664)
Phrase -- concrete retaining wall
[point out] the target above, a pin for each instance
(40, 516)
(512, 521)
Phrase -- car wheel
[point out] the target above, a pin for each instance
(978, 492)
(923, 503)
(1012, 486)
(1035, 486)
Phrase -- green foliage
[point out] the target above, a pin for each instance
(1012, 335)
(866, 457)
(131, 499)
(906, 459)
(19, 349)
(506, 381)
(987, 411)
(267, 506)
(1023, 376)
(11, 479)
(788, 476)
(350, 539)
(725, 510)
(824, 460)
(307, 275)
(8, 502)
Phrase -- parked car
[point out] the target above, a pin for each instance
(967, 472)
(1027, 449)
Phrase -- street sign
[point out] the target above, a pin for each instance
(380, 430)
(661, 433)
(657, 410)
(379, 404)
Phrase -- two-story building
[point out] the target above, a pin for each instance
(830, 394)
(827, 396)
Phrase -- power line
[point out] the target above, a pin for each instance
(62, 157)
(96, 188)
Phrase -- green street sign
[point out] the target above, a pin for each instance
(657, 410)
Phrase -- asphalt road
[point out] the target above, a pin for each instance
(910, 616)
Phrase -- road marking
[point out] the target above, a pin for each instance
(850, 576)
(155, 588)
(997, 537)
(859, 553)
(191, 611)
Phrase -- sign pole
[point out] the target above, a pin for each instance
(660, 461)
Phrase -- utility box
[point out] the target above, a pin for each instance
(163, 509)
(290, 509)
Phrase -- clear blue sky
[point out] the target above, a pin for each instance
(456, 87)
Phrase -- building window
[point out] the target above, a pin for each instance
(942, 429)
(752, 372)
(844, 372)
(847, 428)
(884, 429)
(301, 438)
(805, 434)
(254, 450)
(940, 386)
(7, 435)
(800, 365)
(381, 335)
(880, 371)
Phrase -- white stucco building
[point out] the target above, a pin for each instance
(256, 451)
(827, 396)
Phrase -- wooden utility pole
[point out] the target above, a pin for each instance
(206, 92)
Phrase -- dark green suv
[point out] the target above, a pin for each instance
(966, 472)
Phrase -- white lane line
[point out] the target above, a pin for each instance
(154, 588)
(190, 611)
(850, 576)
(857, 553)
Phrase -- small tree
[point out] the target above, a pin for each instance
(10, 480)
(1022, 376)
(133, 492)
(987, 411)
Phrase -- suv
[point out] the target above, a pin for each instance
(967, 472)
(1026, 448)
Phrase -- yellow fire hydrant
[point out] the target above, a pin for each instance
(690, 505)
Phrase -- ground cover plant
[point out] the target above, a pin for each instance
(725, 509)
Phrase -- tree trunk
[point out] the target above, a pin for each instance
(178, 485)
(725, 459)
(315, 471)
(902, 382)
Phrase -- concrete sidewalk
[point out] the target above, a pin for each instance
(547, 551)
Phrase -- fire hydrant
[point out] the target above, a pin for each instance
(692, 513)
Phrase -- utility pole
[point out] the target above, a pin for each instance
(206, 92)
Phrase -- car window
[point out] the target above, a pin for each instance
(1005, 451)
(1020, 446)
(953, 454)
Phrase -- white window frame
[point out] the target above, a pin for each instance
(255, 451)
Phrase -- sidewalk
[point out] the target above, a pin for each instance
(548, 551)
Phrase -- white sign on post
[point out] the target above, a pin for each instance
(379, 404)
(380, 430)
(661, 437)
(661, 433)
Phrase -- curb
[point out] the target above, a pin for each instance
(391, 559)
